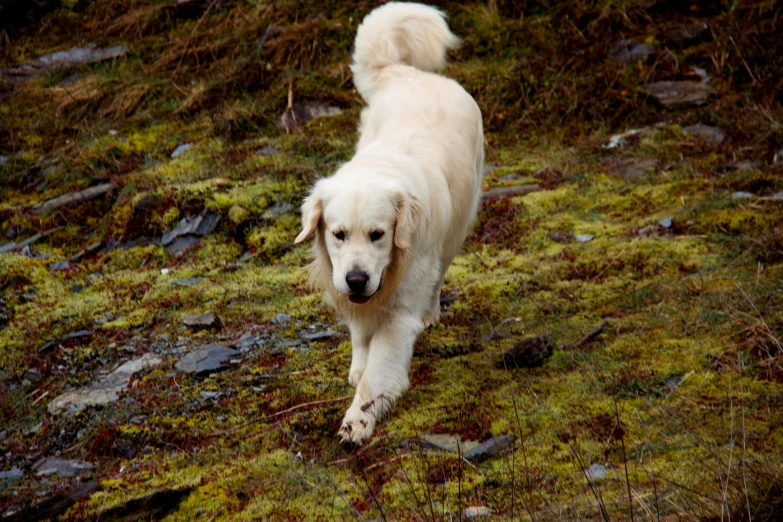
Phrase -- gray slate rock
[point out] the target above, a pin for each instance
(189, 231)
(181, 149)
(666, 222)
(206, 320)
(11, 474)
(61, 467)
(489, 448)
(630, 50)
(710, 135)
(682, 94)
(596, 471)
(742, 195)
(446, 442)
(319, 336)
(187, 281)
(267, 150)
(584, 238)
(477, 511)
(62, 60)
(105, 390)
(299, 115)
(207, 359)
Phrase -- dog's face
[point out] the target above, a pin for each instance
(360, 225)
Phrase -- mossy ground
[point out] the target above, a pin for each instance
(684, 388)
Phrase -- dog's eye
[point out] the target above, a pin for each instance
(375, 236)
(340, 235)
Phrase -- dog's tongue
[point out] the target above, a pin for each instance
(358, 299)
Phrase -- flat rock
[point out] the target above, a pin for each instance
(584, 238)
(710, 135)
(678, 95)
(267, 150)
(189, 231)
(61, 467)
(207, 359)
(477, 511)
(632, 168)
(666, 222)
(62, 60)
(489, 448)
(630, 50)
(530, 352)
(596, 471)
(319, 336)
(740, 194)
(181, 149)
(73, 198)
(278, 209)
(620, 141)
(106, 389)
(299, 115)
(11, 474)
(446, 442)
(510, 191)
(205, 320)
(187, 281)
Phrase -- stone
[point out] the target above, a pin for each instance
(205, 320)
(489, 448)
(4, 159)
(596, 471)
(630, 50)
(188, 281)
(682, 94)
(210, 394)
(61, 467)
(742, 195)
(62, 60)
(282, 319)
(319, 336)
(267, 150)
(584, 238)
(207, 359)
(181, 149)
(188, 231)
(632, 168)
(278, 209)
(620, 141)
(530, 352)
(709, 135)
(510, 191)
(59, 266)
(666, 222)
(297, 116)
(11, 474)
(477, 511)
(446, 442)
(106, 389)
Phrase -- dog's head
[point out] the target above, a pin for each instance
(359, 226)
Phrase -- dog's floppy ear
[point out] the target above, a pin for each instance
(407, 213)
(312, 209)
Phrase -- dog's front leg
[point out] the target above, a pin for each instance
(360, 349)
(385, 378)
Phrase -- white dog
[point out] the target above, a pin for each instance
(388, 223)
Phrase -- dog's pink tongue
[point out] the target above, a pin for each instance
(358, 299)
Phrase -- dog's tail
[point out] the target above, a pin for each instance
(399, 33)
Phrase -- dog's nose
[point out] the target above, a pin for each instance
(357, 281)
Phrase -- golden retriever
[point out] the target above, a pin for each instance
(389, 222)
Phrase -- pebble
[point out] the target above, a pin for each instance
(596, 471)
(181, 149)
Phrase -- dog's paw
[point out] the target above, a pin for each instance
(357, 426)
(431, 317)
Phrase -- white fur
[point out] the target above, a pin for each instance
(416, 178)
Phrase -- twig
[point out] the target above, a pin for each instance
(587, 338)
(190, 38)
(277, 414)
(625, 459)
(731, 39)
(744, 437)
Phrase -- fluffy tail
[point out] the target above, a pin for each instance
(399, 33)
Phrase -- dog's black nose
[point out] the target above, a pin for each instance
(357, 281)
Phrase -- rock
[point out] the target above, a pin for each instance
(181, 149)
(477, 511)
(267, 150)
(672, 382)
(206, 320)
(248, 341)
(62, 60)
(584, 238)
(11, 474)
(620, 141)
(489, 448)
(299, 115)
(207, 359)
(105, 390)
(710, 135)
(666, 222)
(4, 159)
(510, 191)
(629, 50)
(63, 468)
(446, 442)
(530, 352)
(596, 471)
(679, 95)
(632, 168)
(742, 195)
(73, 198)
(446, 300)
(319, 336)
(278, 209)
(282, 319)
(210, 394)
(188, 281)
(58, 266)
(189, 231)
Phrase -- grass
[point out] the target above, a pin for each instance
(677, 400)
